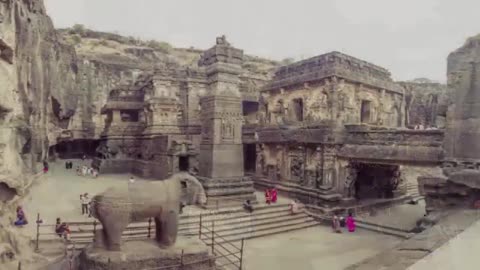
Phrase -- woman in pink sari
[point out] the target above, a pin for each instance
(273, 193)
(350, 223)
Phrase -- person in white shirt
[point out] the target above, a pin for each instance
(131, 180)
(84, 200)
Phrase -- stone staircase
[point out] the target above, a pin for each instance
(412, 190)
(232, 224)
(366, 225)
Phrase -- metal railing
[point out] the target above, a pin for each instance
(223, 252)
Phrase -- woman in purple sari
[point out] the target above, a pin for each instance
(350, 223)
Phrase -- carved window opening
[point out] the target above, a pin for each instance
(183, 163)
(249, 110)
(298, 109)
(129, 116)
(365, 111)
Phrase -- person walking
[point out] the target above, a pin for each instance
(336, 224)
(350, 223)
(84, 202)
(87, 204)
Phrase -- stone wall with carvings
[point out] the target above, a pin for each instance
(336, 99)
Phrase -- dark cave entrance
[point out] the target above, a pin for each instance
(183, 163)
(249, 158)
(75, 149)
(374, 181)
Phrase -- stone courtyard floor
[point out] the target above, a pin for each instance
(315, 248)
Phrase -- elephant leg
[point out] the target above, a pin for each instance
(166, 228)
(113, 229)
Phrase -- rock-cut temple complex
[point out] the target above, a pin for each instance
(329, 130)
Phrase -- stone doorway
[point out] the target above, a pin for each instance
(75, 149)
(375, 181)
(183, 163)
(249, 158)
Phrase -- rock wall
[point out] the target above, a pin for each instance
(426, 103)
(460, 186)
(38, 79)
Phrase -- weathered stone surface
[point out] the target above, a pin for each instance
(426, 103)
(140, 200)
(460, 187)
(410, 251)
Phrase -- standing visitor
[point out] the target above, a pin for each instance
(350, 223)
(86, 203)
(294, 207)
(274, 195)
(45, 166)
(336, 224)
(78, 171)
(268, 196)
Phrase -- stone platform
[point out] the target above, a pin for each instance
(148, 255)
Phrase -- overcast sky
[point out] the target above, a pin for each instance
(411, 38)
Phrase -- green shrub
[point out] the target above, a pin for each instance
(76, 39)
(79, 29)
(288, 61)
(160, 46)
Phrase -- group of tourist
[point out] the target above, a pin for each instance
(85, 202)
(87, 171)
(270, 195)
(340, 222)
(62, 229)
(422, 127)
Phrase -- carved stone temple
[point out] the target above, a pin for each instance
(329, 130)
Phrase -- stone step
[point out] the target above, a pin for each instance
(370, 226)
(185, 221)
(268, 231)
(232, 225)
(368, 223)
(383, 230)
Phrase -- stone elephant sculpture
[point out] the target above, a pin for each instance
(120, 205)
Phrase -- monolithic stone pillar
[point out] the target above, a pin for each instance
(221, 149)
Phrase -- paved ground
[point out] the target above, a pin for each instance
(314, 248)
(404, 216)
(461, 252)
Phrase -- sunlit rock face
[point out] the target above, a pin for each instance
(37, 82)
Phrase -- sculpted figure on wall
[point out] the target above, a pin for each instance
(351, 176)
(261, 168)
(296, 168)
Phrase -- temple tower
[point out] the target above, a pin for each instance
(221, 150)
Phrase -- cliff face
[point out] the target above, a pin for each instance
(462, 133)
(38, 76)
(426, 102)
